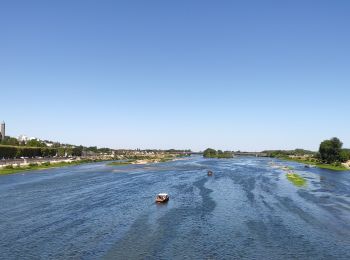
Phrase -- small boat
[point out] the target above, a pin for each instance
(162, 197)
(210, 173)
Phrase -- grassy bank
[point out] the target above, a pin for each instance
(121, 163)
(296, 179)
(332, 167)
(47, 165)
(317, 164)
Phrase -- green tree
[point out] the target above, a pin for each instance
(210, 153)
(227, 154)
(77, 151)
(56, 145)
(35, 143)
(61, 152)
(92, 149)
(330, 150)
(10, 141)
(344, 155)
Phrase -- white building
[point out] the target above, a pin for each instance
(24, 138)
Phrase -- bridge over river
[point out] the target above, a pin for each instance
(255, 154)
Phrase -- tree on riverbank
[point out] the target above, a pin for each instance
(329, 150)
(211, 153)
(10, 141)
(344, 155)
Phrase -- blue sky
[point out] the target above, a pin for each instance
(248, 75)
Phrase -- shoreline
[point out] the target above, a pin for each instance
(44, 166)
(141, 161)
(316, 164)
(66, 163)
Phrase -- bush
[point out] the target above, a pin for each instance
(8, 152)
(33, 164)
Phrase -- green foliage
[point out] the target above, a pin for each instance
(344, 155)
(61, 151)
(92, 149)
(10, 152)
(56, 145)
(211, 153)
(286, 153)
(35, 143)
(333, 167)
(226, 154)
(166, 159)
(104, 150)
(48, 152)
(33, 164)
(10, 141)
(296, 179)
(330, 150)
(77, 151)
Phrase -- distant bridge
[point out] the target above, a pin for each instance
(255, 154)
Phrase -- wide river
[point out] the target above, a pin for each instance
(246, 210)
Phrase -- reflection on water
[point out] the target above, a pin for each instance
(246, 210)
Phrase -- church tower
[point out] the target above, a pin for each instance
(2, 131)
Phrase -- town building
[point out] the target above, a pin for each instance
(24, 138)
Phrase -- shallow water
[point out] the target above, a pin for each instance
(246, 210)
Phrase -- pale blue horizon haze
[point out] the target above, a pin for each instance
(232, 75)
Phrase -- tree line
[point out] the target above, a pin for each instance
(286, 153)
(10, 152)
(330, 151)
(11, 148)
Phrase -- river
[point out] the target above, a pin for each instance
(246, 210)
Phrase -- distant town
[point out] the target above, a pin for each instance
(24, 152)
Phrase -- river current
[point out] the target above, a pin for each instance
(246, 210)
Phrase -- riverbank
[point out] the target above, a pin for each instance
(46, 165)
(317, 164)
(145, 160)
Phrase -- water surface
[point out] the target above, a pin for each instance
(247, 210)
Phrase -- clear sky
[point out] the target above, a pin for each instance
(248, 75)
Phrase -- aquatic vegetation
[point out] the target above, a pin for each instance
(296, 179)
